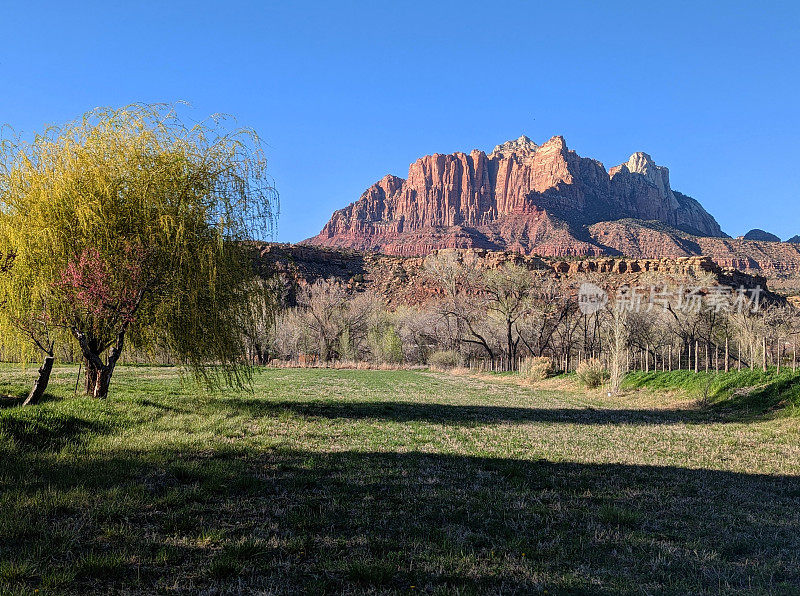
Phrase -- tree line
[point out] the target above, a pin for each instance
(495, 318)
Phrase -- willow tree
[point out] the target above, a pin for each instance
(26, 333)
(129, 226)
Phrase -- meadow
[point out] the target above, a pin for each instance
(369, 481)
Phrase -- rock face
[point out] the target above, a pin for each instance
(406, 280)
(521, 196)
(645, 192)
(761, 236)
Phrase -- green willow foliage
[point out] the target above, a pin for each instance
(136, 189)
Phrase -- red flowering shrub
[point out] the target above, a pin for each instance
(109, 294)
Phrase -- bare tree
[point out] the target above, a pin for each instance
(508, 291)
(551, 314)
(463, 305)
(618, 342)
(291, 336)
(418, 328)
(325, 303)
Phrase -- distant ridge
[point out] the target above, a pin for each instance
(761, 236)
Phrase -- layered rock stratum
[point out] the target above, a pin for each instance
(543, 200)
(409, 280)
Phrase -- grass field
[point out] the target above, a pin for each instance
(345, 481)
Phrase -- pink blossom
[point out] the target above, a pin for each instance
(103, 287)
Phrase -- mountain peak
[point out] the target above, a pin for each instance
(521, 146)
(557, 140)
(640, 161)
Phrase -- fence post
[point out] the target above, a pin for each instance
(764, 356)
(780, 354)
(696, 357)
(727, 355)
(773, 353)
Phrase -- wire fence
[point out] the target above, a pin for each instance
(766, 354)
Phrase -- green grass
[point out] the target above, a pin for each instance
(747, 393)
(343, 481)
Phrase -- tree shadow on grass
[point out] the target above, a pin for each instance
(11, 401)
(466, 415)
(45, 430)
(149, 403)
(289, 521)
(12, 394)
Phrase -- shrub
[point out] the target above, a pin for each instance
(591, 373)
(392, 346)
(346, 349)
(445, 359)
(536, 368)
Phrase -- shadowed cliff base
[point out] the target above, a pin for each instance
(407, 280)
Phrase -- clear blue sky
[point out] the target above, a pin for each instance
(346, 92)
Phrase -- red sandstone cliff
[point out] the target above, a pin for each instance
(545, 200)
(477, 192)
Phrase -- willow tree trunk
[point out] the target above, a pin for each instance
(97, 385)
(90, 375)
(40, 385)
(98, 373)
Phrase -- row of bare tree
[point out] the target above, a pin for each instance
(507, 313)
